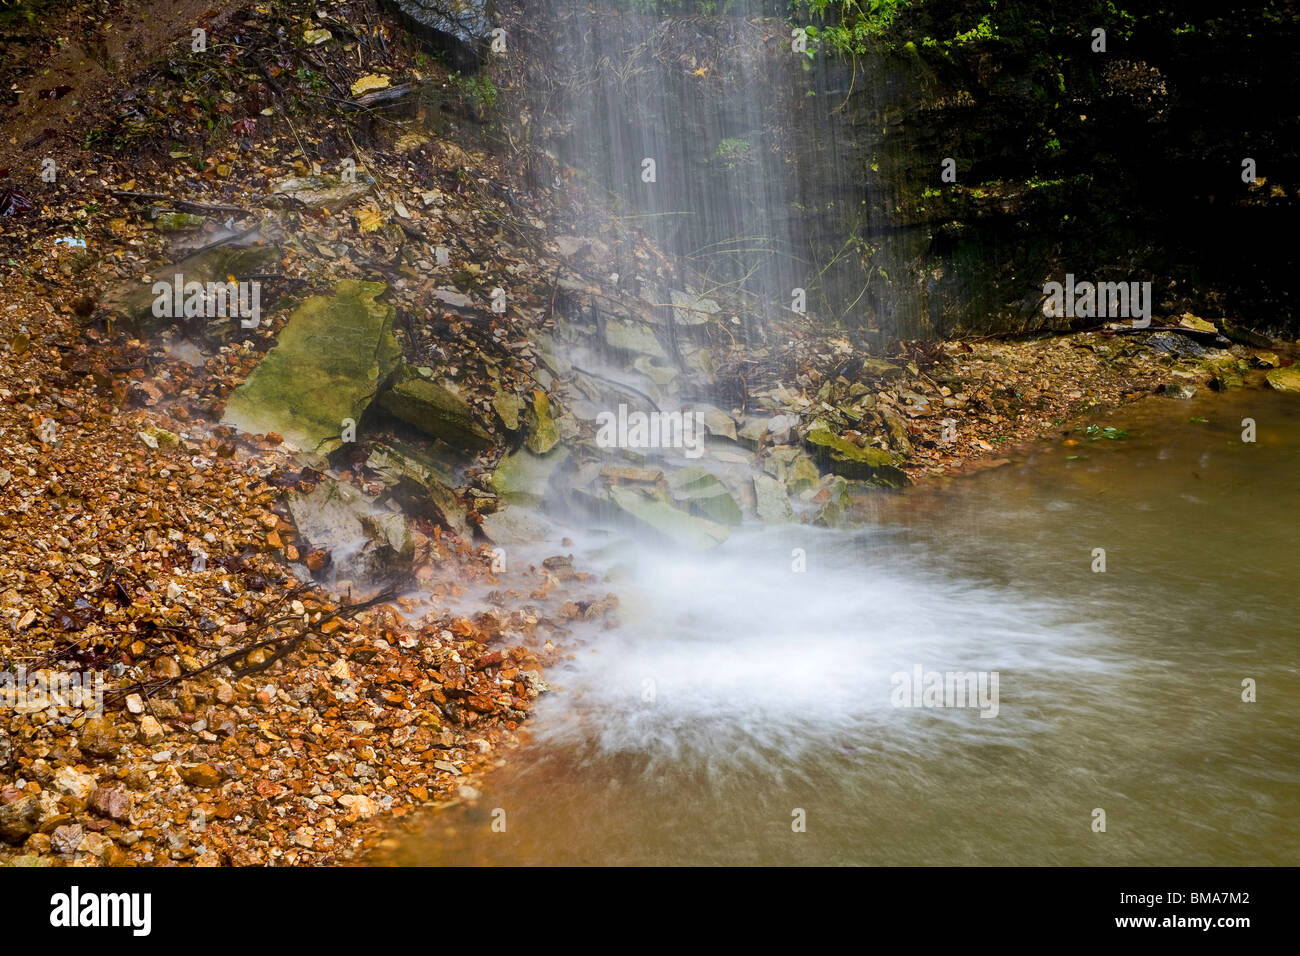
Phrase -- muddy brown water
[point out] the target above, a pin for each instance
(739, 696)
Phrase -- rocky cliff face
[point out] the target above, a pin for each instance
(777, 171)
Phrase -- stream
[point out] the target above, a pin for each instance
(740, 701)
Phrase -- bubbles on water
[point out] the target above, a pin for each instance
(754, 664)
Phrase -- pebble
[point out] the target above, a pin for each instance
(150, 730)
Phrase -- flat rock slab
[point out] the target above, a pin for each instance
(523, 477)
(135, 300)
(330, 360)
(514, 526)
(844, 458)
(326, 191)
(1285, 379)
(665, 520)
(771, 502)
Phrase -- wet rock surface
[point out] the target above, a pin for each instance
(260, 710)
(325, 369)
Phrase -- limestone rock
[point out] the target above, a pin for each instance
(419, 401)
(329, 362)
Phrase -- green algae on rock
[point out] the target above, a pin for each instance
(523, 477)
(662, 518)
(328, 364)
(844, 458)
(417, 400)
(1285, 379)
(543, 434)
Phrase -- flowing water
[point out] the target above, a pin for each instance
(737, 691)
(745, 709)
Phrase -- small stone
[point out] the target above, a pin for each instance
(66, 839)
(359, 807)
(19, 819)
(150, 730)
(201, 775)
(111, 802)
(96, 844)
(167, 667)
(1285, 379)
(225, 694)
(99, 737)
(79, 785)
(781, 428)
(1262, 359)
(135, 704)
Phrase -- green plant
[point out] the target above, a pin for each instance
(848, 25)
(480, 89)
(733, 152)
(313, 81)
(1097, 432)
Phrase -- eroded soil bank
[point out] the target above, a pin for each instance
(329, 604)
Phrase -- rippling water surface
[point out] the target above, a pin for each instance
(737, 692)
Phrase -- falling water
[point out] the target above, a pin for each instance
(753, 686)
(738, 691)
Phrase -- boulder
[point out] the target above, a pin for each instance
(458, 28)
(874, 368)
(848, 460)
(543, 434)
(135, 301)
(653, 513)
(899, 440)
(793, 467)
(419, 485)
(716, 420)
(417, 400)
(523, 477)
(513, 526)
(691, 310)
(633, 337)
(704, 495)
(834, 511)
(1243, 335)
(19, 820)
(357, 533)
(1284, 379)
(508, 408)
(1224, 374)
(771, 503)
(326, 367)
